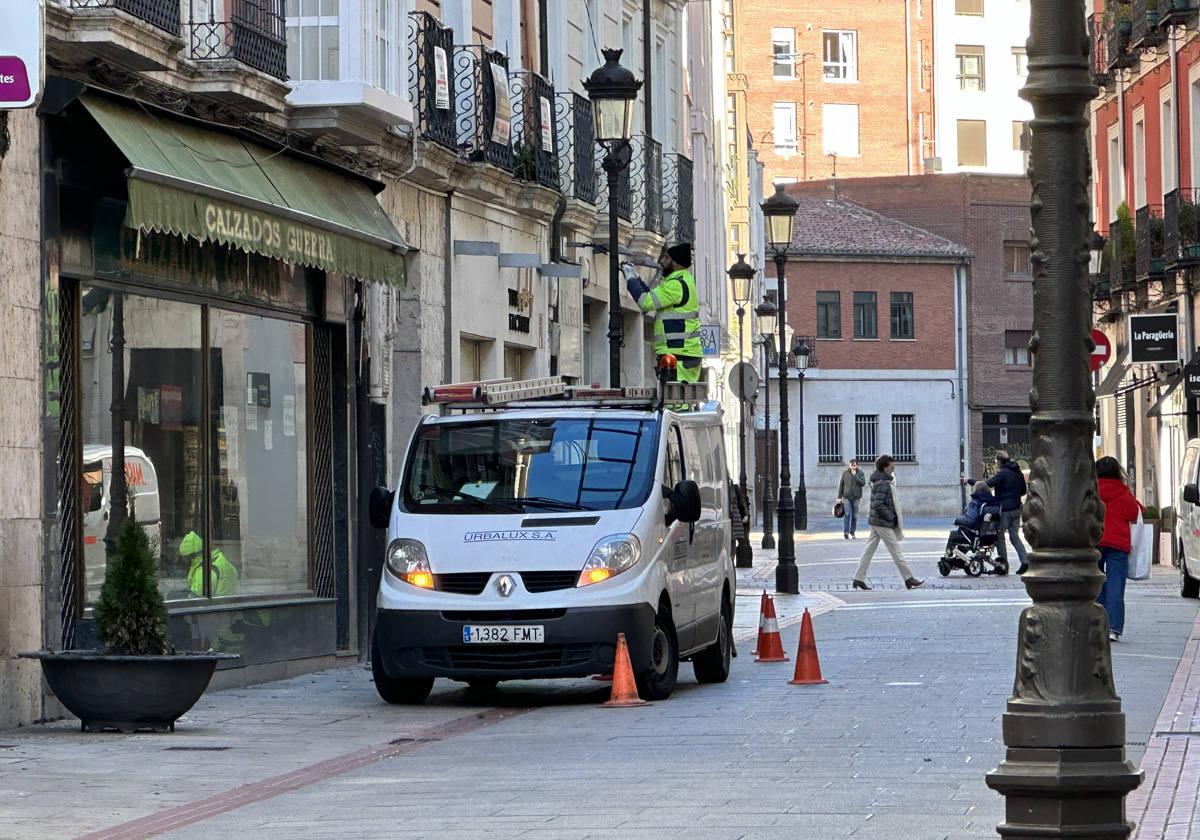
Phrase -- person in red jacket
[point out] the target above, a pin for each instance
(1120, 509)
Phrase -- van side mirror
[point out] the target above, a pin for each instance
(380, 507)
(1191, 494)
(685, 503)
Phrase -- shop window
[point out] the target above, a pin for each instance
(259, 480)
(829, 315)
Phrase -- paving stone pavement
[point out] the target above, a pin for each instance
(895, 746)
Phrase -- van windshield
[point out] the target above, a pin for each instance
(543, 464)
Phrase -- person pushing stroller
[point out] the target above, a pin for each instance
(974, 535)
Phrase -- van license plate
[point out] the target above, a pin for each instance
(513, 634)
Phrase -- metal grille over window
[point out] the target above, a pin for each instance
(904, 449)
(829, 438)
(866, 437)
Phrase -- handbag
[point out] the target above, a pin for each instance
(1141, 555)
(839, 509)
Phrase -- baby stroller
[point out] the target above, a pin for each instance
(970, 548)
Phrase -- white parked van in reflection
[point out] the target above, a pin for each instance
(142, 480)
(523, 540)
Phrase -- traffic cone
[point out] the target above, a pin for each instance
(762, 617)
(808, 664)
(770, 649)
(624, 687)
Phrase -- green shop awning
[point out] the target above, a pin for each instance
(189, 181)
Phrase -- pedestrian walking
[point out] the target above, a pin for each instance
(887, 524)
(850, 491)
(1009, 484)
(1120, 509)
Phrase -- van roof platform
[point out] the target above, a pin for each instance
(552, 391)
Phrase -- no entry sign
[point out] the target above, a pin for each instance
(1103, 351)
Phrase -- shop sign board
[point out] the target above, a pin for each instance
(1191, 379)
(1153, 339)
(22, 51)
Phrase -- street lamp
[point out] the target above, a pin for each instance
(1065, 773)
(779, 211)
(613, 89)
(741, 278)
(1096, 259)
(767, 315)
(801, 352)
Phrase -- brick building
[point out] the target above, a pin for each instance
(989, 216)
(878, 301)
(831, 89)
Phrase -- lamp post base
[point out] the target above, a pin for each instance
(801, 509)
(787, 579)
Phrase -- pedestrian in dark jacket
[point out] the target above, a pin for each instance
(1120, 509)
(887, 525)
(850, 491)
(1009, 484)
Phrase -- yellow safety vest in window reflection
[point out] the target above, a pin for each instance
(223, 577)
(677, 324)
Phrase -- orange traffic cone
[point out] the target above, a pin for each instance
(762, 617)
(770, 649)
(808, 664)
(624, 688)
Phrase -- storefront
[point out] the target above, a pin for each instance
(205, 289)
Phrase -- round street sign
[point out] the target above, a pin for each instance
(1103, 350)
(744, 380)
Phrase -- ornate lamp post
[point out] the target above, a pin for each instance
(767, 316)
(1065, 773)
(612, 89)
(779, 212)
(801, 352)
(741, 278)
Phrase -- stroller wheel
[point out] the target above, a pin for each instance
(944, 568)
(974, 567)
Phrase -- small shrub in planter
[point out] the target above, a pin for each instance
(130, 615)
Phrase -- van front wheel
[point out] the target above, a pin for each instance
(402, 691)
(711, 665)
(1189, 587)
(658, 682)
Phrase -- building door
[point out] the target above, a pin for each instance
(765, 467)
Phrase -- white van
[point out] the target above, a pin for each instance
(1187, 522)
(523, 540)
(142, 480)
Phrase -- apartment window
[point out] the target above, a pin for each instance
(731, 126)
(730, 54)
(1139, 161)
(904, 447)
(902, 315)
(782, 48)
(968, 7)
(785, 126)
(972, 143)
(841, 55)
(1016, 257)
(829, 314)
(866, 324)
(839, 128)
(312, 40)
(1020, 63)
(1016, 348)
(387, 62)
(1167, 157)
(1020, 144)
(829, 438)
(970, 67)
(866, 437)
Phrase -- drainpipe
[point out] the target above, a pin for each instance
(647, 59)
(555, 232)
(960, 354)
(448, 300)
(544, 36)
(908, 84)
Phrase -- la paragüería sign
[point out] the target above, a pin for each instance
(1153, 338)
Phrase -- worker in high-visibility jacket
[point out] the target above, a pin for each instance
(677, 310)
(223, 575)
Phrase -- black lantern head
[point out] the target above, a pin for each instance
(612, 89)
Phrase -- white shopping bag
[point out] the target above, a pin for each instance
(1142, 553)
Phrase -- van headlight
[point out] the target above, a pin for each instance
(407, 560)
(611, 556)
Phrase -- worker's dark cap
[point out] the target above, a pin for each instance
(681, 254)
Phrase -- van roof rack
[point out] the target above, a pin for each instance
(553, 390)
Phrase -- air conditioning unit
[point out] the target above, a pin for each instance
(933, 164)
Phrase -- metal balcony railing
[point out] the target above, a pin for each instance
(1101, 74)
(1118, 25)
(1148, 242)
(163, 14)
(247, 31)
(1177, 12)
(679, 200)
(1120, 260)
(1144, 30)
(484, 104)
(1181, 228)
(576, 146)
(652, 169)
(431, 78)
(535, 147)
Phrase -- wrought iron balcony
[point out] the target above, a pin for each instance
(1144, 30)
(248, 31)
(1177, 12)
(1101, 75)
(484, 105)
(1148, 243)
(431, 79)
(678, 199)
(1181, 228)
(1118, 25)
(535, 150)
(1119, 255)
(577, 146)
(163, 14)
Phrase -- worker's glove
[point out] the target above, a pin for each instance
(632, 281)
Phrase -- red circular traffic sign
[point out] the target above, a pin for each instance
(1103, 351)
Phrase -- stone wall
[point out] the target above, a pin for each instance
(20, 414)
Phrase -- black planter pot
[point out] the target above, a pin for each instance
(127, 693)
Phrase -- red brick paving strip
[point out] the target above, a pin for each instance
(1164, 805)
(203, 809)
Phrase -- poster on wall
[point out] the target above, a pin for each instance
(547, 125)
(502, 123)
(1153, 338)
(148, 405)
(171, 407)
(441, 79)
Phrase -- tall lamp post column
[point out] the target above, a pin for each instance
(801, 351)
(780, 213)
(613, 89)
(767, 316)
(1065, 773)
(741, 277)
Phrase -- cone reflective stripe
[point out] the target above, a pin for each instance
(624, 687)
(808, 664)
(771, 647)
(762, 617)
